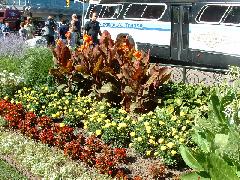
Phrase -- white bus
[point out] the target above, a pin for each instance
(202, 33)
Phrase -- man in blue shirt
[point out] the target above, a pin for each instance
(92, 28)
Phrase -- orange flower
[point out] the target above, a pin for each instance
(59, 42)
(87, 39)
(137, 55)
(81, 48)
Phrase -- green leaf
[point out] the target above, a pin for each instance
(203, 143)
(221, 140)
(194, 176)
(189, 159)
(238, 174)
(216, 106)
(221, 170)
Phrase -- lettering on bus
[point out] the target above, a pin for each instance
(122, 25)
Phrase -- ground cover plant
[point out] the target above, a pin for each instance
(41, 160)
(7, 172)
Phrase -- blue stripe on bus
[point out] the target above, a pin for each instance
(137, 26)
(142, 28)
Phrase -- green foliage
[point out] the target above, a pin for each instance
(7, 172)
(11, 64)
(217, 137)
(3, 122)
(9, 83)
(36, 65)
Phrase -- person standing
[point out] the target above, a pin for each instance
(49, 30)
(63, 29)
(6, 30)
(30, 28)
(77, 26)
(22, 31)
(71, 37)
(92, 28)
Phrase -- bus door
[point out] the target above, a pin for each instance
(180, 15)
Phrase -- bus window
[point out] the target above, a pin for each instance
(135, 11)
(94, 8)
(1, 14)
(154, 11)
(213, 13)
(110, 11)
(233, 16)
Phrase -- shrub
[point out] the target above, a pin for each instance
(116, 72)
(36, 64)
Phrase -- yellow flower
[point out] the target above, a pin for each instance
(132, 134)
(46, 88)
(148, 128)
(155, 153)
(170, 145)
(174, 118)
(99, 119)
(152, 137)
(140, 118)
(150, 113)
(187, 121)
(176, 137)
(139, 139)
(61, 124)
(54, 115)
(151, 141)
(173, 152)
(184, 128)
(67, 101)
(163, 148)
(80, 113)
(146, 123)
(107, 125)
(58, 114)
(43, 107)
(122, 111)
(182, 113)
(98, 132)
(134, 122)
(161, 140)
(148, 153)
(103, 115)
(70, 110)
(161, 122)
(12, 101)
(170, 109)
(181, 140)
(114, 123)
(85, 127)
(130, 144)
(122, 125)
